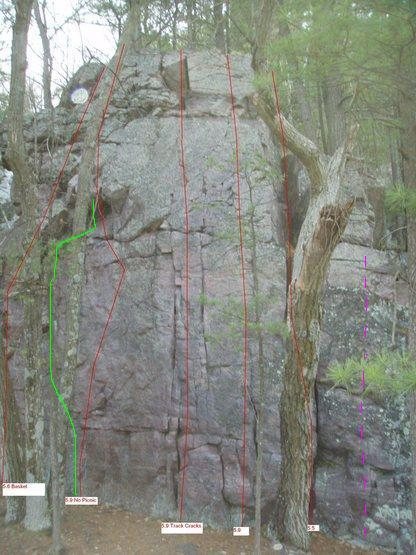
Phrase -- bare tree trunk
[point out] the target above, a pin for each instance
(36, 514)
(190, 22)
(47, 57)
(13, 448)
(219, 37)
(300, 93)
(393, 151)
(56, 480)
(134, 22)
(332, 94)
(227, 9)
(321, 230)
(175, 25)
(305, 111)
(16, 154)
(263, 26)
(261, 379)
(297, 405)
(322, 129)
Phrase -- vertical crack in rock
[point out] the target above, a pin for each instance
(176, 330)
(202, 320)
(255, 425)
(141, 185)
(175, 394)
(178, 465)
(226, 502)
(171, 475)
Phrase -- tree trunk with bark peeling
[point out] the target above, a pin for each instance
(325, 221)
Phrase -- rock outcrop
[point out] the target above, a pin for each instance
(136, 422)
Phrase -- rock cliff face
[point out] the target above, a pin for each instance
(136, 423)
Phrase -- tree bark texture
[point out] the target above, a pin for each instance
(13, 450)
(297, 404)
(263, 27)
(219, 36)
(36, 515)
(260, 393)
(326, 218)
(301, 95)
(190, 23)
(332, 94)
(15, 155)
(47, 56)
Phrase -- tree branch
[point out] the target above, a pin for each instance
(302, 147)
(46, 58)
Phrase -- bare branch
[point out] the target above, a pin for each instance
(47, 56)
(302, 147)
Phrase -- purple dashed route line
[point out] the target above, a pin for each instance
(361, 405)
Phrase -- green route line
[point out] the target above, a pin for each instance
(55, 388)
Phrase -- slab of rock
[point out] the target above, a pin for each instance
(136, 419)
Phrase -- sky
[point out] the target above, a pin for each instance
(68, 45)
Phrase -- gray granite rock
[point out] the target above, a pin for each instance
(136, 421)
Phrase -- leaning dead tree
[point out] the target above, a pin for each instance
(325, 221)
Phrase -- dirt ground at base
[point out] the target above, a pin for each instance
(106, 531)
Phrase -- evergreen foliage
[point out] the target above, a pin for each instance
(400, 200)
(387, 373)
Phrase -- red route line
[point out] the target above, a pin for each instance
(293, 329)
(119, 262)
(13, 281)
(243, 283)
(186, 297)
